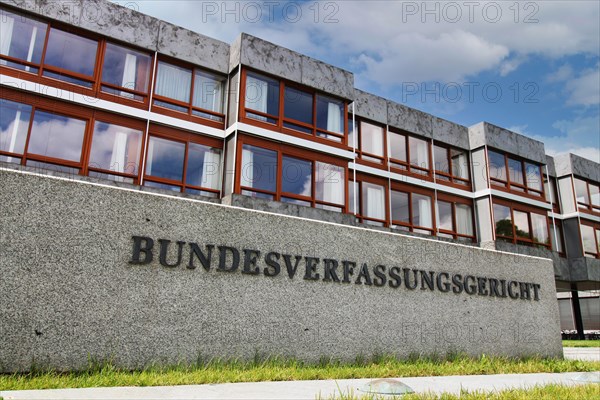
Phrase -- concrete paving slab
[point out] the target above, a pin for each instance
(296, 390)
(582, 353)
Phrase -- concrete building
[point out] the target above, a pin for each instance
(98, 92)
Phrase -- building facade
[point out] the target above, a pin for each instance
(92, 89)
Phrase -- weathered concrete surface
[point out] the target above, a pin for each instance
(409, 119)
(567, 164)
(68, 292)
(511, 142)
(450, 133)
(370, 106)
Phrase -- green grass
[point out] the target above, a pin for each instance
(216, 371)
(549, 392)
(581, 343)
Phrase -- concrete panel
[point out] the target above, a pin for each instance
(235, 53)
(450, 133)
(562, 164)
(567, 196)
(121, 23)
(480, 170)
(233, 99)
(369, 106)
(514, 143)
(477, 135)
(327, 78)
(193, 47)
(68, 12)
(409, 119)
(585, 168)
(270, 58)
(69, 293)
(572, 236)
(550, 165)
(483, 219)
(230, 157)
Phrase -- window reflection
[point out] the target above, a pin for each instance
(125, 68)
(115, 148)
(165, 159)
(259, 169)
(56, 136)
(73, 53)
(14, 123)
(21, 38)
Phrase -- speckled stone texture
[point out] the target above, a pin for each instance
(68, 293)
(567, 164)
(370, 106)
(450, 133)
(511, 142)
(409, 119)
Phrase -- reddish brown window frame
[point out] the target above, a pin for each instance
(410, 190)
(508, 185)
(558, 225)
(587, 208)
(186, 138)
(595, 228)
(408, 168)
(553, 186)
(89, 115)
(96, 80)
(188, 115)
(360, 215)
(456, 200)
(454, 181)
(363, 154)
(295, 152)
(280, 119)
(525, 209)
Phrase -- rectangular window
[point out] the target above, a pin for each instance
(70, 58)
(451, 165)
(400, 208)
(258, 172)
(556, 238)
(539, 227)
(590, 243)
(208, 94)
(14, 124)
(330, 116)
(514, 174)
(397, 149)
(21, 41)
(412, 212)
(503, 221)
(373, 203)
(419, 155)
(296, 178)
(329, 186)
(497, 167)
(115, 150)
(371, 142)
(298, 106)
(56, 136)
(175, 83)
(588, 195)
(125, 72)
(454, 220)
(262, 98)
(183, 166)
(521, 227)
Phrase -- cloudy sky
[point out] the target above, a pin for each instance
(532, 67)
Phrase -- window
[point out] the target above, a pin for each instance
(515, 174)
(409, 153)
(125, 72)
(451, 165)
(293, 109)
(115, 152)
(556, 237)
(371, 142)
(14, 124)
(70, 58)
(455, 218)
(55, 136)
(412, 212)
(588, 195)
(179, 164)
(371, 203)
(521, 226)
(21, 41)
(551, 191)
(284, 174)
(590, 237)
(190, 91)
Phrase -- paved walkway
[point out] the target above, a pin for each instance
(309, 390)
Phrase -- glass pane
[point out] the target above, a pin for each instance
(497, 165)
(419, 152)
(589, 241)
(515, 171)
(464, 219)
(351, 136)
(203, 166)
(371, 138)
(444, 215)
(539, 224)
(330, 114)
(262, 94)
(330, 183)
(298, 105)
(352, 195)
(115, 148)
(400, 208)
(14, 124)
(556, 233)
(173, 82)
(208, 91)
(71, 52)
(56, 136)
(126, 68)
(259, 168)
(421, 210)
(397, 146)
(521, 224)
(595, 195)
(581, 191)
(296, 176)
(534, 176)
(460, 163)
(373, 200)
(21, 38)
(440, 155)
(550, 190)
(503, 221)
(165, 159)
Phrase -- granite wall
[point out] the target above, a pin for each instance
(69, 292)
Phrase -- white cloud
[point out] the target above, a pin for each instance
(562, 74)
(580, 136)
(511, 65)
(585, 89)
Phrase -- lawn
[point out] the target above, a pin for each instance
(204, 372)
(581, 343)
(550, 392)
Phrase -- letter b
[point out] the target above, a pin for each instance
(137, 249)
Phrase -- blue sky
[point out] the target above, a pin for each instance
(532, 67)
